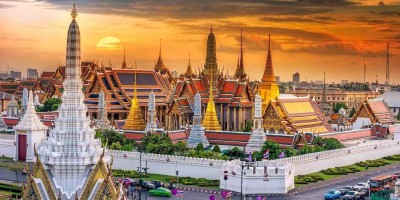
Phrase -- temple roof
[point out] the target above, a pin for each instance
(299, 114)
(377, 110)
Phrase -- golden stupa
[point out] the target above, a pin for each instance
(135, 119)
(210, 120)
(268, 88)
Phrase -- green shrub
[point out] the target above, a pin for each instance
(10, 188)
(317, 177)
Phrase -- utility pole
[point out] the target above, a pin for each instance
(145, 170)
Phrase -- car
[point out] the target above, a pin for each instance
(148, 186)
(163, 192)
(359, 186)
(396, 175)
(157, 184)
(344, 190)
(332, 194)
(351, 195)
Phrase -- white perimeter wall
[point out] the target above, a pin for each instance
(7, 148)
(314, 162)
(167, 165)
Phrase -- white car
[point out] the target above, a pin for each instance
(360, 186)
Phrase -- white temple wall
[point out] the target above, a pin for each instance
(168, 165)
(7, 148)
(360, 122)
(314, 162)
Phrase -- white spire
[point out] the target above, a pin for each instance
(257, 137)
(197, 134)
(151, 114)
(71, 142)
(30, 120)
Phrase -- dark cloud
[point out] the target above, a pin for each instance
(201, 9)
(327, 2)
(335, 49)
(2, 6)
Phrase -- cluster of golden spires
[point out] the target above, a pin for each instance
(268, 88)
(210, 120)
(135, 120)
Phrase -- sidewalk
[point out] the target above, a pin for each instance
(320, 184)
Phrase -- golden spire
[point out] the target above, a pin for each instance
(210, 120)
(74, 12)
(135, 119)
(268, 88)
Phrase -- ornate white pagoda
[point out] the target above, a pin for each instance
(197, 134)
(12, 108)
(29, 131)
(102, 122)
(36, 101)
(70, 163)
(24, 102)
(257, 137)
(151, 113)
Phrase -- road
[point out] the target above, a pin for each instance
(313, 194)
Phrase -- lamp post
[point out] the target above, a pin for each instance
(140, 172)
(242, 159)
(145, 178)
(16, 175)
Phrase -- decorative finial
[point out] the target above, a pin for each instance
(189, 58)
(269, 42)
(74, 12)
(211, 28)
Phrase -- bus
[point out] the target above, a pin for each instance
(382, 182)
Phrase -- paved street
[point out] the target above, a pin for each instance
(8, 175)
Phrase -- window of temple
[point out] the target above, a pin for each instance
(281, 131)
(271, 131)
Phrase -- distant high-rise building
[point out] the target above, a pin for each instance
(15, 75)
(296, 78)
(32, 73)
(345, 82)
(278, 79)
(4, 75)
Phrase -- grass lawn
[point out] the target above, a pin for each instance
(10, 164)
(327, 177)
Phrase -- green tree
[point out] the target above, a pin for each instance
(235, 152)
(274, 150)
(248, 127)
(49, 105)
(127, 147)
(180, 148)
(352, 112)
(109, 136)
(339, 106)
(199, 147)
(115, 146)
(216, 149)
(290, 151)
(398, 116)
(332, 143)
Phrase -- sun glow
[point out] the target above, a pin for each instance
(109, 43)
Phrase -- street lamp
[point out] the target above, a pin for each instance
(16, 175)
(140, 171)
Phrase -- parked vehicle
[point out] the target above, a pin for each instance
(332, 194)
(148, 186)
(344, 190)
(379, 183)
(157, 184)
(160, 192)
(360, 186)
(351, 195)
(396, 175)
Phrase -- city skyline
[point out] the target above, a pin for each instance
(308, 36)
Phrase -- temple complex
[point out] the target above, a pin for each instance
(70, 163)
(197, 134)
(268, 88)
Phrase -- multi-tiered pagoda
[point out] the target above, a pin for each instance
(70, 163)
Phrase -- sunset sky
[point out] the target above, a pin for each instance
(308, 36)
